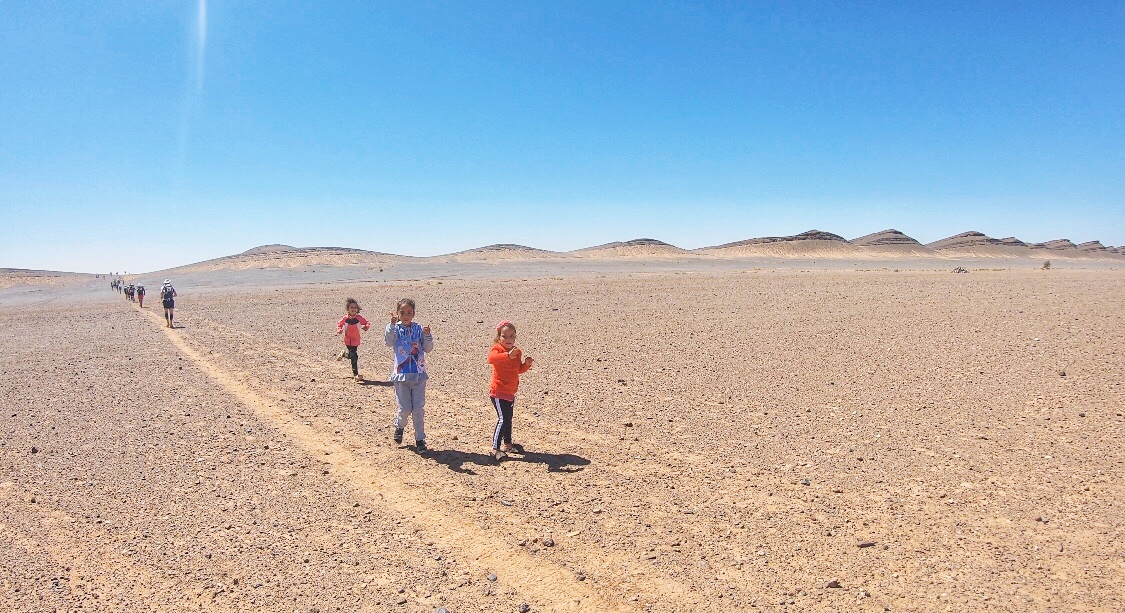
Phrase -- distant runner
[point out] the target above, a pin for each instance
(141, 295)
(167, 296)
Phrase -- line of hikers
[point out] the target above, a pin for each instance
(136, 293)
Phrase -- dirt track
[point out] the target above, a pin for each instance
(672, 422)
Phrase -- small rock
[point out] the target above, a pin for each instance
(524, 608)
(34, 450)
(1082, 415)
(491, 577)
(580, 576)
(628, 424)
(400, 590)
(441, 610)
(1042, 519)
(548, 542)
(863, 544)
(401, 601)
(806, 482)
(831, 583)
(1062, 373)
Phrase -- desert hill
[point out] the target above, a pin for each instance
(814, 243)
(283, 256)
(632, 248)
(885, 238)
(501, 251)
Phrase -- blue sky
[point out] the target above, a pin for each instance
(142, 135)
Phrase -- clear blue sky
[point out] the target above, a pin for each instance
(139, 135)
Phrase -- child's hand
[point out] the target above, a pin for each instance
(394, 318)
(529, 361)
(514, 353)
(339, 332)
(426, 330)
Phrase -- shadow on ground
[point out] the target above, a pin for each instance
(463, 461)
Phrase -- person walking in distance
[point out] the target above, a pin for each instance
(167, 298)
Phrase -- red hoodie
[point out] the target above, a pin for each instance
(350, 327)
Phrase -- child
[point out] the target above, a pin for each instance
(410, 341)
(508, 364)
(349, 326)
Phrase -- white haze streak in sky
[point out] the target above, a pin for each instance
(200, 45)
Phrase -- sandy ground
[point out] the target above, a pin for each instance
(697, 439)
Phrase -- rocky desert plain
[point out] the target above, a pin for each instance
(798, 423)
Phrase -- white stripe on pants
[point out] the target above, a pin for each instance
(411, 397)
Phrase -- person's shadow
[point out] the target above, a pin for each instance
(377, 383)
(463, 461)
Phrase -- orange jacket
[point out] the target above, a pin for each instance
(506, 371)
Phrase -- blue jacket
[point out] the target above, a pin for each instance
(410, 347)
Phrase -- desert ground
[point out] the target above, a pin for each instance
(725, 435)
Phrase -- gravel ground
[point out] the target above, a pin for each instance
(695, 441)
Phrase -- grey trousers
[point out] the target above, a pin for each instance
(411, 403)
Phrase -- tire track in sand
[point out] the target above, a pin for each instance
(553, 586)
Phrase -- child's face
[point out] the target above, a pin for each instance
(406, 313)
(508, 338)
(353, 310)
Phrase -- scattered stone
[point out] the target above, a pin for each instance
(1042, 519)
(441, 610)
(524, 608)
(491, 577)
(580, 576)
(401, 601)
(806, 482)
(1082, 415)
(1062, 373)
(863, 544)
(548, 542)
(831, 583)
(34, 450)
(628, 424)
(400, 590)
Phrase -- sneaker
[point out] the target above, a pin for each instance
(421, 445)
(359, 378)
(498, 455)
(341, 357)
(398, 435)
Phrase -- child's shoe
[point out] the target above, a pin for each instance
(421, 446)
(341, 357)
(359, 378)
(498, 455)
(398, 435)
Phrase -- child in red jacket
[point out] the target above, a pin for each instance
(508, 363)
(349, 326)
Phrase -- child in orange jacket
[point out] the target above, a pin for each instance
(508, 363)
